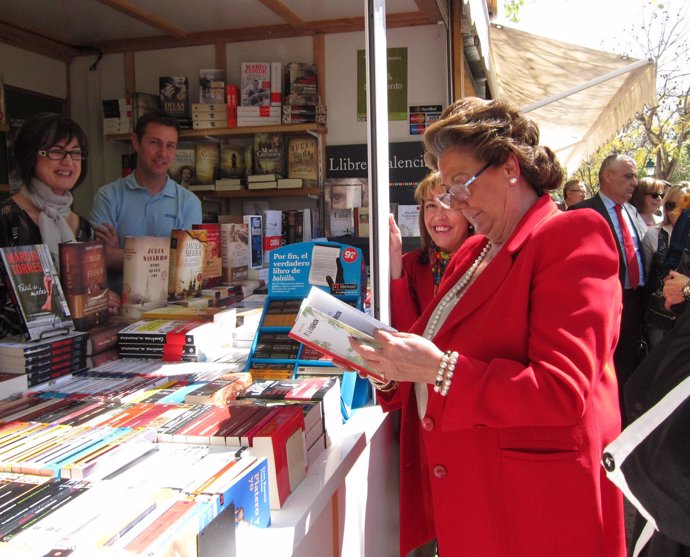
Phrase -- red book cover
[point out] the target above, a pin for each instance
(213, 269)
(281, 441)
(84, 280)
(227, 427)
(232, 97)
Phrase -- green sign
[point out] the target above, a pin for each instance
(397, 84)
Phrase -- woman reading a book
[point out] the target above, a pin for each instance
(506, 382)
(415, 276)
(50, 153)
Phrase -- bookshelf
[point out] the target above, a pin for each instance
(190, 135)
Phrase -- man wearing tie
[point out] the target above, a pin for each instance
(617, 180)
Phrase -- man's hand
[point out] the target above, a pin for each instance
(673, 284)
(107, 233)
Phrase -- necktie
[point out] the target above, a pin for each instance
(630, 254)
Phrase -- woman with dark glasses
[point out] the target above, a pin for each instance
(655, 247)
(647, 200)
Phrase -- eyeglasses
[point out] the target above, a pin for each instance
(655, 195)
(61, 154)
(670, 205)
(459, 192)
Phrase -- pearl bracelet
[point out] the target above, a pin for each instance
(446, 370)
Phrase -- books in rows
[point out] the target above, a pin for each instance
(84, 279)
(33, 301)
(146, 270)
(326, 323)
(174, 97)
(187, 260)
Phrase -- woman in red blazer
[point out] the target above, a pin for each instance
(416, 275)
(506, 382)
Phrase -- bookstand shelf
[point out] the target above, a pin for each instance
(297, 192)
(233, 132)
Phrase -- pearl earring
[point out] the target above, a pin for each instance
(513, 181)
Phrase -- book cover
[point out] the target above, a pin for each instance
(174, 97)
(145, 274)
(272, 229)
(361, 218)
(235, 251)
(232, 99)
(255, 83)
(143, 103)
(276, 84)
(212, 86)
(281, 441)
(301, 85)
(303, 159)
(187, 260)
(326, 323)
(84, 279)
(207, 158)
(268, 153)
(182, 168)
(213, 270)
(408, 220)
(232, 161)
(256, 248)
(39, 306)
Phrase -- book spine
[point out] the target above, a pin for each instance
(276, 84)
(232, 97)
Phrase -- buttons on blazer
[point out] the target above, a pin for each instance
(428, 424)
(440, 471)
(609, 462)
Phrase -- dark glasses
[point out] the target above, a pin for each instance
(655, 195)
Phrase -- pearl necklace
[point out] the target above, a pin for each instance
(453, 294)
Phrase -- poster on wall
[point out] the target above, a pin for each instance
(397, 84)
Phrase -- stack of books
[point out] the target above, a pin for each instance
(209, 116)
(260, 94)
(301, 103)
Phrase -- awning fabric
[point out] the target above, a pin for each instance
(528, 68)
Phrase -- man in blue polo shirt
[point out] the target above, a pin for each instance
(147, 202)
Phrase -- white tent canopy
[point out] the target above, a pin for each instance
(529, 68)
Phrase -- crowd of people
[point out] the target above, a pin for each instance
(520, 321)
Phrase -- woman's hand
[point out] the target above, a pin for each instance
(673, 284)
(107, 233)
(403, 356)
(396, 266)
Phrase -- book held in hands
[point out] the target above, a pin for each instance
(326, 323)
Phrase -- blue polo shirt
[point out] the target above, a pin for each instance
(135, 212)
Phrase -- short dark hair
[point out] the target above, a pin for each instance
(44, 131)
(156, 117)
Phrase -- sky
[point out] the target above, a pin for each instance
(599, 24)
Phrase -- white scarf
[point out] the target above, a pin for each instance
(54, 210)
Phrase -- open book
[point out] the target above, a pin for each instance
(325, 323)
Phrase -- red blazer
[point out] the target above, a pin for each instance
(508, 464)
(411, 293)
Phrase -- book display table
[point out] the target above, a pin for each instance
(348, 502)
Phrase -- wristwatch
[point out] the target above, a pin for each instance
(685, 291)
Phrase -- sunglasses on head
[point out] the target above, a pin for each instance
(655, 195)
(670, 205)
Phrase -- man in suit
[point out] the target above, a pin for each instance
(617, 180)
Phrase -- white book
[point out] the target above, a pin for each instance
(326, 324)
(255, 83)
(408, 220)
(276, 84)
